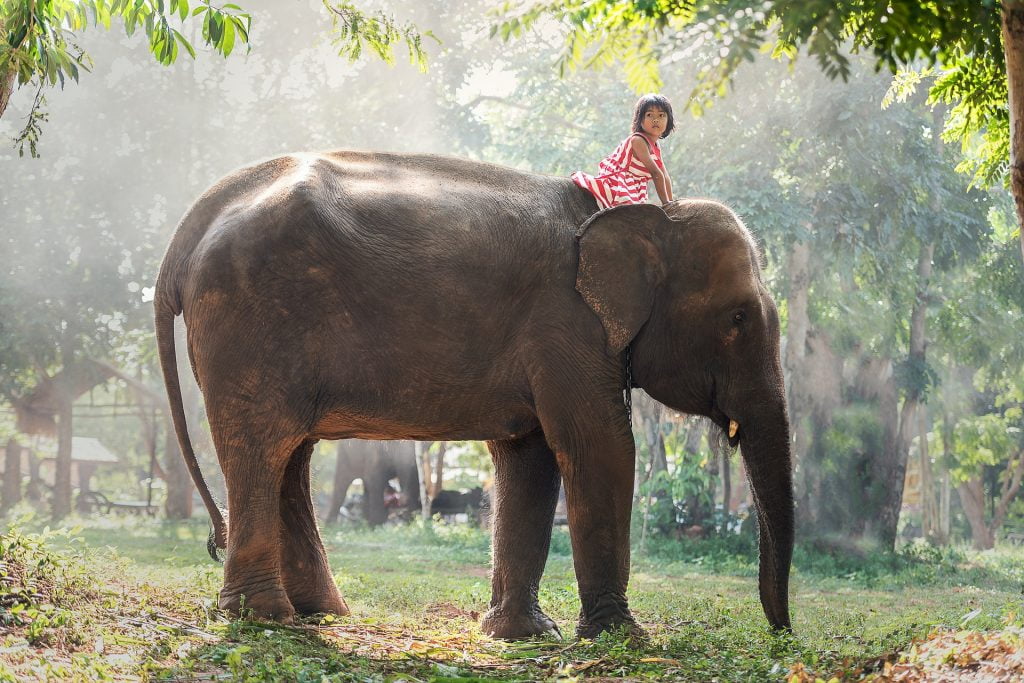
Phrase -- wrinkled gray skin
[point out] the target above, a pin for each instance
(377, 296)
(375, 463)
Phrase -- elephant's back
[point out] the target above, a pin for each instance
(371, 214)
(419, 202)
(357, 202)
(453, 240)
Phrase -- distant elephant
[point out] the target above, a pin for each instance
(375, 463)
(379, 296)
(456, 502)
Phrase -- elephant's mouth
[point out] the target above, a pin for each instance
(734, 431)
(731, 429)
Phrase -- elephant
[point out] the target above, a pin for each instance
(388, 296)
(450, 503)
(375, 463)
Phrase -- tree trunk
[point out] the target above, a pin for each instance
(6, 79)
(12, 475)
(179, 482)
(1014, 473)
(34, 489)
(426, 473)
(947, 492)
(647, 416)
(726, 487)
(6, 89)
(972, 500)
(1013, 43)
(797, 326)
(897, 452)
(342, 481)
(945, 496)
(894, 478)
(438, 484)
(798, 321)
(423, 461)
(701, 505)
(930, 527)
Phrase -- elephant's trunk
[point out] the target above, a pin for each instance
(766, 454)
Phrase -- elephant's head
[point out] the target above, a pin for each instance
(683, 290)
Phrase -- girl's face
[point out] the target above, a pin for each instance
(654, 122)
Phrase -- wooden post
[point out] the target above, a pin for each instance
(60, 505)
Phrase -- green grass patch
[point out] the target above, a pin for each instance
(135, 599)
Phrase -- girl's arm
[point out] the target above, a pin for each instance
(660, 178)
(668, 184)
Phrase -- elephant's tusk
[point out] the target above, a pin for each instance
(733, 427)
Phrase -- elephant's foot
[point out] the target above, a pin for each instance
(270, 603)
(590, 629)
(324, 598)
(607, 613)
(308, 582)
(500, 622)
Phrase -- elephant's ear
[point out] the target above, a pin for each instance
(620, 266)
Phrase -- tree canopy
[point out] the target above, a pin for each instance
(970, 44)
(38, 39)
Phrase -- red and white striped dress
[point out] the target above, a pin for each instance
(622, 178)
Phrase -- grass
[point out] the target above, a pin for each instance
(127, 599)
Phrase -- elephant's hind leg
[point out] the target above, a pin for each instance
(304, 569)
(253, 471)
(526, 482)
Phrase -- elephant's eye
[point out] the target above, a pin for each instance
(739, 316)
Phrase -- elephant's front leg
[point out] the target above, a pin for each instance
(304, 569)
(596, 455)
(526, 483)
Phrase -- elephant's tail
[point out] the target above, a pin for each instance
(166, 311)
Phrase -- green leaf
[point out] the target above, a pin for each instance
(216, 28)
(228, 41)
(240, 26)
(15, 40)
(184, 43)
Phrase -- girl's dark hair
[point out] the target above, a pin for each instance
(650, 102)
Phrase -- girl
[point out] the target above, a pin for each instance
(624, 173)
